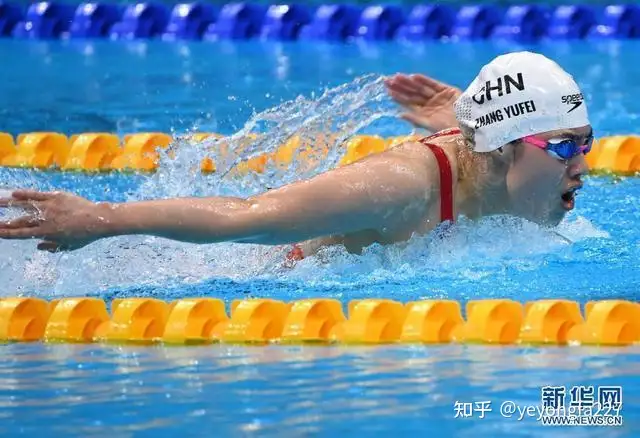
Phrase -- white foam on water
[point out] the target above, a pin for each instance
(471, 250)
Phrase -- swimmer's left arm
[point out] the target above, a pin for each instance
(380, 192)
(376, 193)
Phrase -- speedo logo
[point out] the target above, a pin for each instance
(573, 99)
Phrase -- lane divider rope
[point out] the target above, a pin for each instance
(331, 22)
(139, 152)
(369, 321)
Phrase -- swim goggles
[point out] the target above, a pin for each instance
(563, 149)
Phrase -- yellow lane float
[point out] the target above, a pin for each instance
(92, 151)
(98, 151)
(7, 149)
(75, 319)
(370, 321)
(140, 151)
(41, 150)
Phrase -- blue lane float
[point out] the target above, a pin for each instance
(332, 23)
(237, 21)
(10, 15)
(427, 22)
(620, 22)
(141, 21)
(207, 21)
(189, 21)
(94, 20)
(45, 20)
(523, 23)
(284, 22)
(476, 22)
(379, 22)
(571, 22)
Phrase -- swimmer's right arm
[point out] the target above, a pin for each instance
(377, 193)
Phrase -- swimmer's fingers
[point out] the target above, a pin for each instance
(431, 85)
(20, 223)
(405, 99)
(403, 93)
(402, 82)
(27, 199)
(421, 85)
(20, 233)
(25, 227)
(405, 86)
(25, 205)
(33, 195)
(419, 91)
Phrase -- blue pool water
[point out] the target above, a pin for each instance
(234, 391)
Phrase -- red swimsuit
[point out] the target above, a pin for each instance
(446, 175)
(446, 186)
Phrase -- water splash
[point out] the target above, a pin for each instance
(342, 111)
(126, 261)
(472, 251)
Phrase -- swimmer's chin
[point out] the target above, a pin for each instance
(552, 219)
(543, 216)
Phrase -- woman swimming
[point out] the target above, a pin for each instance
(518, 149)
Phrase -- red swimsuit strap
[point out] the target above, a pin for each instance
(446, 175)
(445, 133)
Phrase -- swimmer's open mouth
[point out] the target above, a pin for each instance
(569, 197)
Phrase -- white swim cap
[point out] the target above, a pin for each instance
(519, 94)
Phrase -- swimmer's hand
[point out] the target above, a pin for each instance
(428, 103)
(63, 221)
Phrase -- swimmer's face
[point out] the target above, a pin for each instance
(542, 186)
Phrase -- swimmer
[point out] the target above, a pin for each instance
(512, 143)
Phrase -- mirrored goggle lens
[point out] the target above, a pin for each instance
(568, 148)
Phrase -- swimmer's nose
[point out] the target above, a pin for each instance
(577, 167)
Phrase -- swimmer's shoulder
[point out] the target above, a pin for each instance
(446, 139)
(416, 149)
